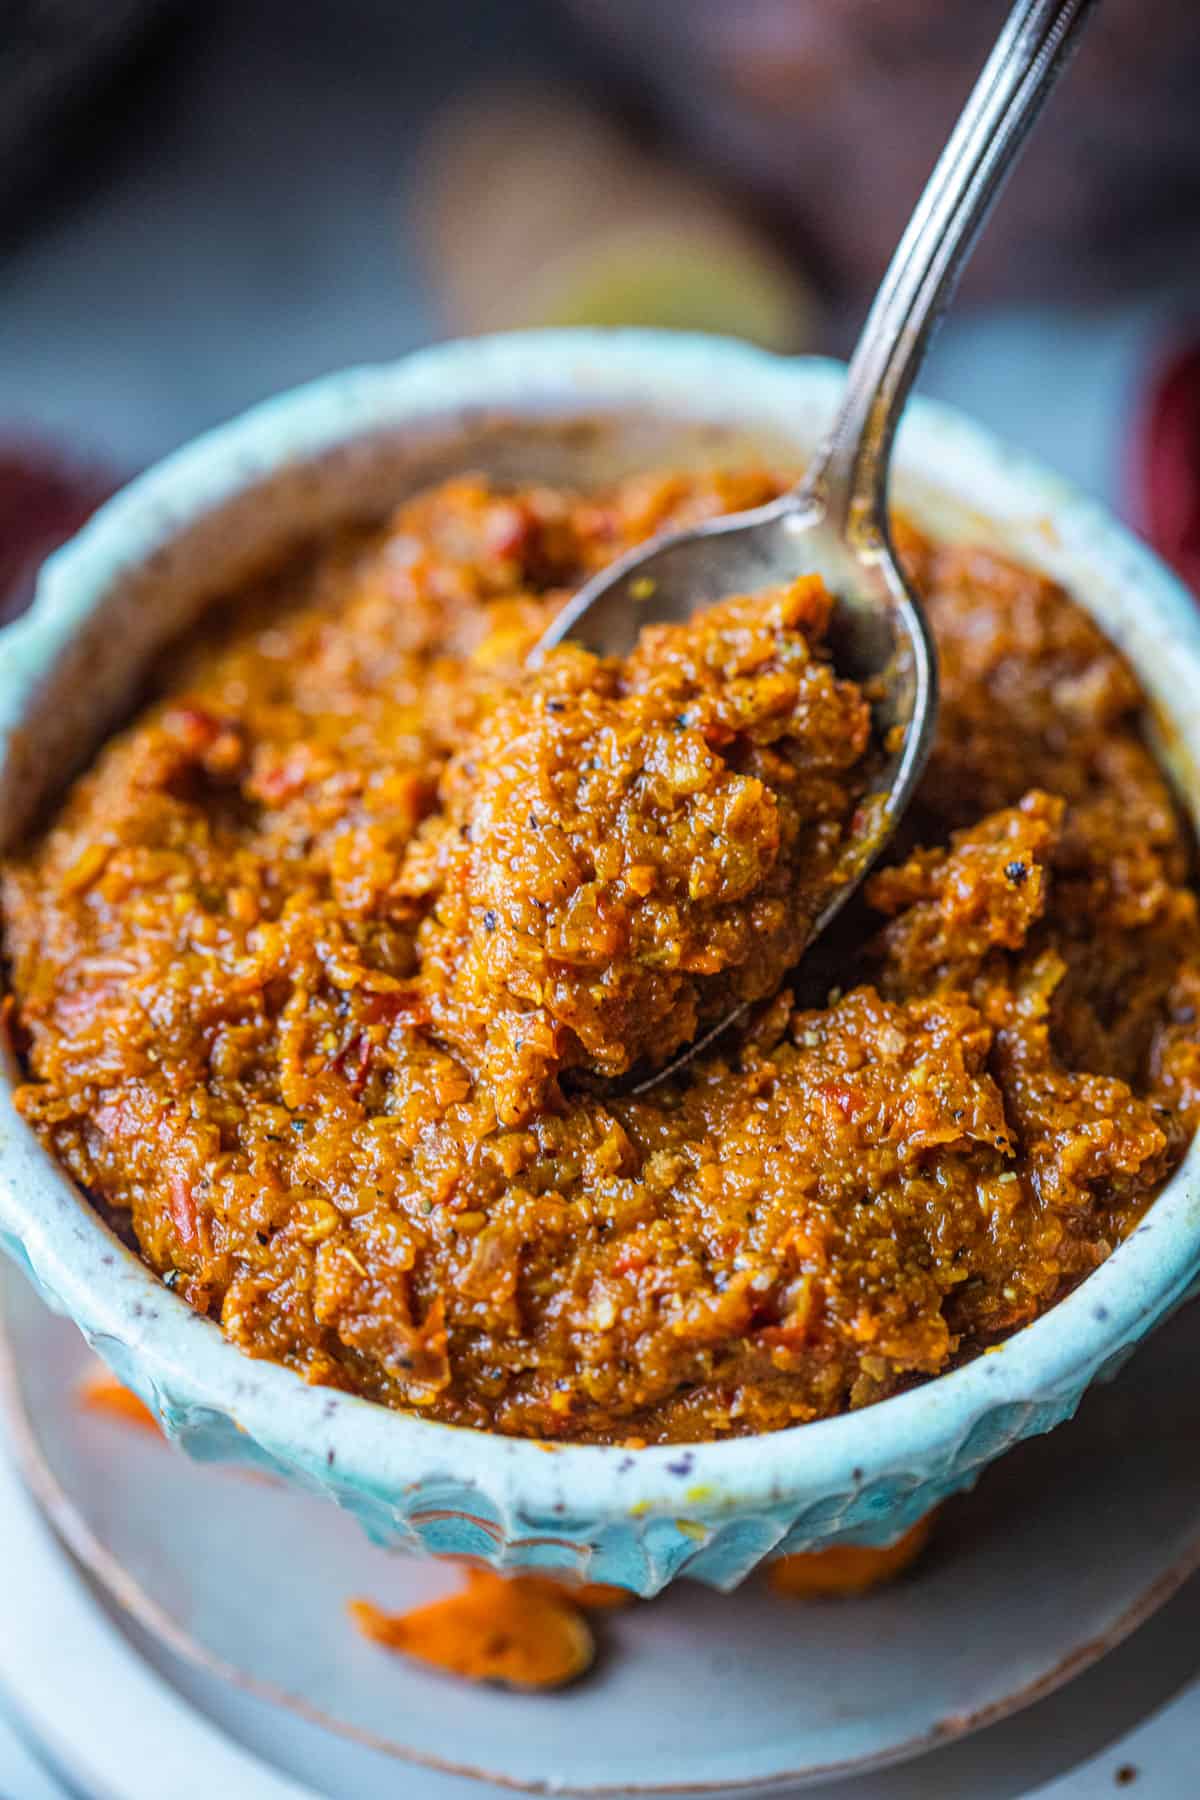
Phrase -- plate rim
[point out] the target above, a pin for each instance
(26, 1699)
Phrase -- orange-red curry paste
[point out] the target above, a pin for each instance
(319, 967)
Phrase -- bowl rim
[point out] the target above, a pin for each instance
(182, 1362)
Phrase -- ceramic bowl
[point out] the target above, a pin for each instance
(581, 406)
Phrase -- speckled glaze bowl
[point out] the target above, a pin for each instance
(584, 407)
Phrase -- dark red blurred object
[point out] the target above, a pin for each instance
(44, 498)
(1164, 476)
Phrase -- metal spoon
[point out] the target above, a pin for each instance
(835, 523)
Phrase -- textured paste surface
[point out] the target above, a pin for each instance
(315, 966)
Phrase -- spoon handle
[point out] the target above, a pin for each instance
(848, 478)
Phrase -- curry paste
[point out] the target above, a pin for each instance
(323, 970)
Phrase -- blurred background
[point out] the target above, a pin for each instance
(200, 205)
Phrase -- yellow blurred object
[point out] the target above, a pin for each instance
(848, 1568)
(533, 210)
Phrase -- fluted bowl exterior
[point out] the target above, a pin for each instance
(585, 405)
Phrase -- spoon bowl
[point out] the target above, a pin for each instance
(879, 636)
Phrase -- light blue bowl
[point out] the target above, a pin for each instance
(579, 406)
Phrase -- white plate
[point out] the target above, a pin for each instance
(1069, 1543)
